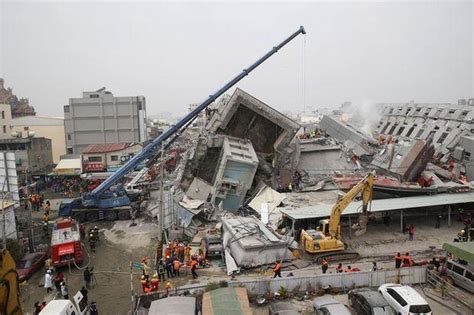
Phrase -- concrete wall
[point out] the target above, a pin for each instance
(345, 281)
(99, 117)
(106, 158)
(53, 132)
(5, 121)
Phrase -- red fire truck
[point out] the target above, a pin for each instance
(66, 245)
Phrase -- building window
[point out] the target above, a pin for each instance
(392, 129)
(69, 151)
(94, 96)
(69, 136)
(94, 159)
(399, 132)
(3, 114)
(4, 129)
(66, 108)
(467, 156)
(114, 157)
(443, 137)
(26, 128)
(410, 131)
(420, 133)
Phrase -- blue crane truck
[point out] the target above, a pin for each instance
(111, 204)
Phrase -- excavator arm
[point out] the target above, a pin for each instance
(364, 187)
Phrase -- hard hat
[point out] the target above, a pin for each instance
(155, 276)
(95, 227)
(91, 235)
(143, 277)
(49, 271)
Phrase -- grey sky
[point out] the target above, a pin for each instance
(178, 53)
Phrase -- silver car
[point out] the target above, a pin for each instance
(327, 305)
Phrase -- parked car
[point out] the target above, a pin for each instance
(29, 264)
(327, 305)
(404, 299)
(282, 308)
(369, 302)
(462, 275)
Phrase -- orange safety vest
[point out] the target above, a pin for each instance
(324, 262)
(193, 264)
(277, 267)
(154, 284)
(176, 264)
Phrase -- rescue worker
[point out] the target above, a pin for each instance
(95, 231)
(398, 260)
(438, 222)
(82, 231)
(374, 266)
(155, 282)
(176, 266)
(64, 291)
(48, 282)
(407, 261)
(92, 242)
(146, 269)
(324, 265)
(411, 232)
(348, 269)
(277, 269)
(193, 268)
(169, 267)
(144, 283)
(168, 288)
(187, 254)
(161, 270)
(339, 268)
(87, 278)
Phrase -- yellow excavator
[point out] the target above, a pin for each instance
(9, 290)
(326, 239)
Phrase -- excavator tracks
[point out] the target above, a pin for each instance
(347, 254)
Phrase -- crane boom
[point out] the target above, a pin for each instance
(96, 197)
(364, 187)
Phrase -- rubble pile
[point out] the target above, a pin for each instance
(244, 164)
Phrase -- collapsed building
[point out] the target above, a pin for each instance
(449, 125)
(246, 156)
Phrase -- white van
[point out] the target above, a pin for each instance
(66, 307)
(462, 275)
(404, 299)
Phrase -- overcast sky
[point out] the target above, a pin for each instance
(179, 53)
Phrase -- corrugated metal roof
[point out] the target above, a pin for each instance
(176, 305)
(38, 121)
(324, 210)
(105, 147)
(464, 250)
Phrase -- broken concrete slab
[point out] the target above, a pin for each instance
(199, 189)
(244, 116)
(253, 244)
(266, 195)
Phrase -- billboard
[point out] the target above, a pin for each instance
(8, 175)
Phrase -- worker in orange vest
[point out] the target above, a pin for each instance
(407, 261)
(193, 268)
(176, 266)
(398, 260)
(277, 269)
(155, 282)
(144, 284)
(168, 288)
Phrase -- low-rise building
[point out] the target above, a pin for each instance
(108, 157)
(34, 156)
(42, 126)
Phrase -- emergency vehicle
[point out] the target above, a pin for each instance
(66, 245)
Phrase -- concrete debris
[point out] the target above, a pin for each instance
(251, 243)
(266, 195)
(199, 189)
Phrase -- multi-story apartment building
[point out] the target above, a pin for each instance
(445, 123)
(99, 117)
(5, 121)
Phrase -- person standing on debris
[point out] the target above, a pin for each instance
(92, 242)
(324, 265)
(277, 269)
(339, 268)
(193, 268)
(181, 248)
(411, 232)
(169, 267)
(407, 261)
(398, 260)
(48, 282)
(144, 283)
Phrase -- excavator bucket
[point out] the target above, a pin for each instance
(360, 227)
(9, 291)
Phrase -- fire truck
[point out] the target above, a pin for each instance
(66, 245)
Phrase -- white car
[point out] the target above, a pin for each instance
(327, 305)
(404, 299)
